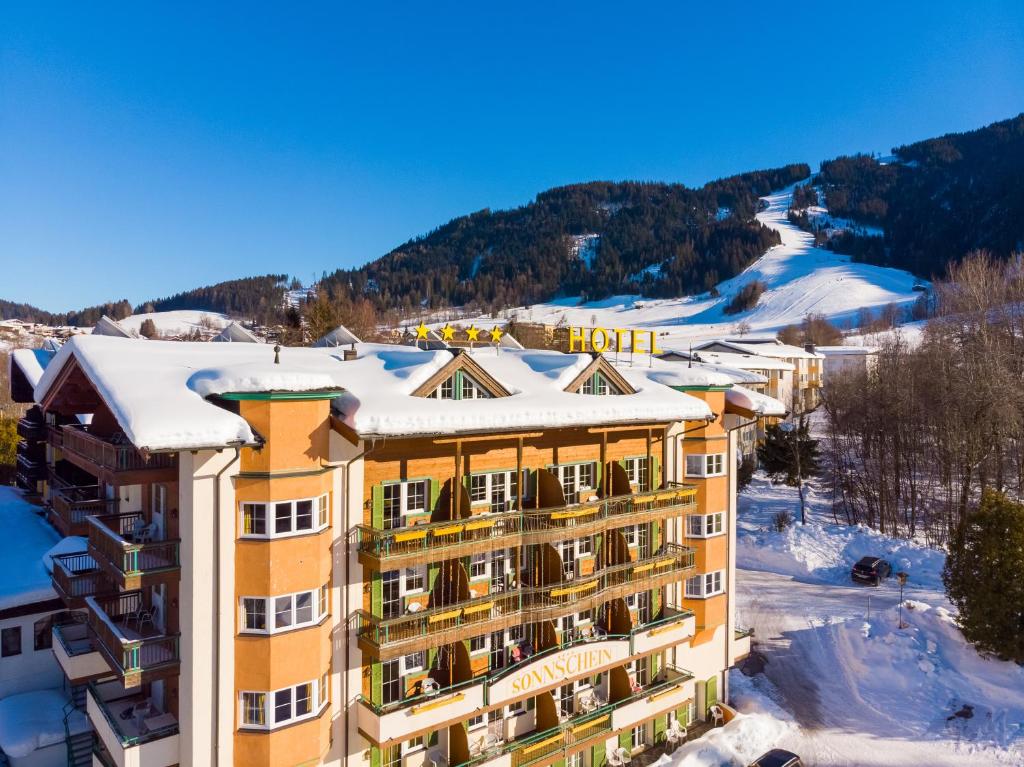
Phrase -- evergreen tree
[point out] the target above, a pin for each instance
(789, 451)
(983, 576)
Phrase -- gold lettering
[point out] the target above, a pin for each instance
(654, 343)
(619, 333)
(604, 339)
(576, 334)
(634, 341)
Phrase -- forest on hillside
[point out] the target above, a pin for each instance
(652, 238)
(941, 199)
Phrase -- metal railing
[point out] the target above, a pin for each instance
(127, 741)
(128, 653)
(110, 456)
(110, 535)
(77, 576)
(539, 600)
(516, 524)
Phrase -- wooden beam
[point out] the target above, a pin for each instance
(490, 437)
(457, 482)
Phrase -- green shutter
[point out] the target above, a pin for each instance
(559, 763)
(597, 476)
(435, 493)
(655, 536)
(626, 739)
(376, 685)
(376, 594)
(655, 476)
(683, 715)
(660, 725)
(710, 693)
(655, 665)
(597, 755)
(656, 602)
(377, 519)
(433, 570)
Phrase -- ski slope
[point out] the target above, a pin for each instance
(800, 278)
(178, 321)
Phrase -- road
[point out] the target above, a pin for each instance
(836, 725)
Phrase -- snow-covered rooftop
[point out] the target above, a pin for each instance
(33, 720)
(158, 390)
(23, 546)
(839, 351)
(759, 404)
(774, 349)
(32, 362)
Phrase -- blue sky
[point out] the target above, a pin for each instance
(150, 148)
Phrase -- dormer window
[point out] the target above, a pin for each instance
(460, 385)
(598, 384)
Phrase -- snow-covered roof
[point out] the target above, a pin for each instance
(340, 336)
(839, 351)
(775, 349)
(73, 544)
(23, 546)
(158, 390)
(32, 362)
(33, 720)
(735, 360)
(757, 403)
(235, 333)
(110, 327)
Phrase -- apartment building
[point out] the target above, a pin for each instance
(387, 557)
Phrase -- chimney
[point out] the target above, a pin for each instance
(809, 348)
(347, 355)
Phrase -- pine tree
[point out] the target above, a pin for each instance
(982, 576)
(789, 451)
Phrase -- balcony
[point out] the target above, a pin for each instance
(460, 701)
(122, 544)
(741, 644)
(419, 544)
(107, 460)
(31, 465)
(76, 652)
(72, 506)
(127, 630)
(31, 430)
(669, 691)
(441, 625)
(145, 736)
(675, 625)
(77, 576)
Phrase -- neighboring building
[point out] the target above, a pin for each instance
(802, 384)
(407, 558)
(843, 359)
(235, 333)
(107, 326)
(340, 336)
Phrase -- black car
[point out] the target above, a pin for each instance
(872, 570)
(777, 757)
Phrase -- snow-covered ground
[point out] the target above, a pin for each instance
(854, 688)
(178, 322)
(801, 279)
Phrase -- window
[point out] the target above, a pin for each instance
(643, 608)
(711, 465)
(636, 471)
(288, 517)
(42, 634)
(497, 489)
(497, 658)
(391, 682)
(289, 611)
(280, 707)
(584, 545)
(476, 721)
(415, 578)
(575, 760)
(415, 744)
(478, 566)
(391, 597)
(639, 736)
(515, 634)
(391, 756)
(324, 690)
(402, 499)
(598, 384)
(158, 503)
(575, 479)
(324, 606)
(413, 662)
(460, 385)
(705, 585)
(565, 698)
(10, 641)
(478, 644)
(498, 571)
(705, 525)
(568, 552)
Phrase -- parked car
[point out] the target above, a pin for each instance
(871, 570)
(777, 757)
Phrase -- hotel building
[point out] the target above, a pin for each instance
(379, 556)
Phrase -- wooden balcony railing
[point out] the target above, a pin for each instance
(113, 537)
(77, 576)
(112, 457)
(31, 467)
(517, 528)
(55, 435)
(494, 611)
(132, 645)
(73, 505)
(31, 430)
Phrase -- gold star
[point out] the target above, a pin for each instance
(496, 334)
(421, 331)
(447, 333)
(473, 333)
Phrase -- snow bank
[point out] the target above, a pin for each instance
(25, 542)
(177, 322)
(736, 744)
(34, 720)
(821, 550)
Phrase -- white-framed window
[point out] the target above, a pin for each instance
(268, 710)
(705, 465)
(577, 480)
(391, 756)
(396, 585)
(515, 633)
(598, 384)
(495, 489)
(500, 570)
(705, 525)
(402, 499)
(575, 760)
(390, 681)
(639, 536)
(414, 580)
(459, 386)
(705, 585)
(476, 721)
(159, 500)
(270, 615)
(413, 745)
(497, 654)
(282, 519)
(639, 736)
(478, 567)
(414, 662)
(478, 644)
(636, 471)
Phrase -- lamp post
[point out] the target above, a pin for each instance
(902, 578)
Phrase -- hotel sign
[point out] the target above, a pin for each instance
(613, 340)
(553, 669)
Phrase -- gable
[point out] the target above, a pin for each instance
(462, 376)
(600, 377)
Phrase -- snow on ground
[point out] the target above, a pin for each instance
(801, 279)
(34, 720)
(178, 322)
(858, 689)
(26, 540)
(736, 744)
